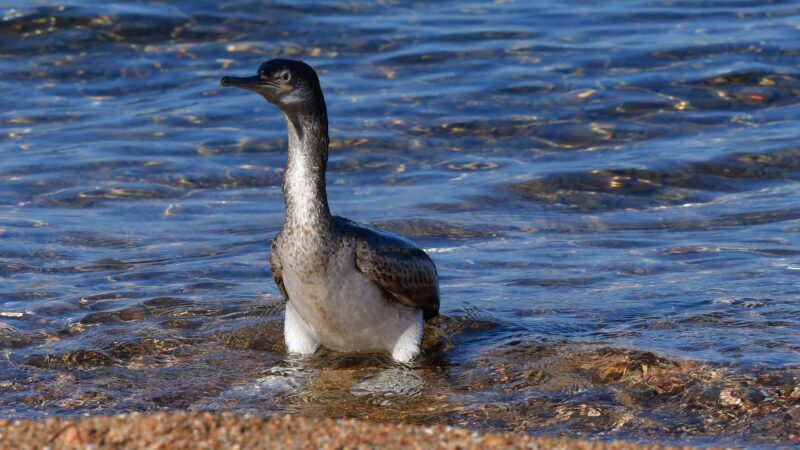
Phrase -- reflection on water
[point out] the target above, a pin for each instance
(610, 192)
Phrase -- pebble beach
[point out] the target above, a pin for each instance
(210, 431)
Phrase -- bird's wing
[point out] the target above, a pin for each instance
(404, 272)
(277, 267)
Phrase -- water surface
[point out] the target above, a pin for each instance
(611, 192)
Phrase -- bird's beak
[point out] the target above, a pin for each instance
(254, 83)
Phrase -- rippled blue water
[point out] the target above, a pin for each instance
(623, 174)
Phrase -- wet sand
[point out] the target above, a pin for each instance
(207, 430)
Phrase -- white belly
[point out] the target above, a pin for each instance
(346, 311)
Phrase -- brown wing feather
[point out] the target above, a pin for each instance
(277, 267)
(405, 273)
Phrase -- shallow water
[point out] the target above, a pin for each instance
(611, 193)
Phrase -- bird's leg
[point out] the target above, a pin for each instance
(408, 345)
(300, 338)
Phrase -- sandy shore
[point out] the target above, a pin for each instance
(211, 431)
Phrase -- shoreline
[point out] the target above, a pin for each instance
(170, 430)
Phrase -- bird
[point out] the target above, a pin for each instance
(348, 287)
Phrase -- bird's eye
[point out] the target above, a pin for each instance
(286, 76)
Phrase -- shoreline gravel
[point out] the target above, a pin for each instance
(176, 430)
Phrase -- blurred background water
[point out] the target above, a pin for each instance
(611, 192)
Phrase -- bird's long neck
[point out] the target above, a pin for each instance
(304, 191)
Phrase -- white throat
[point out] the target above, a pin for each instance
(304, 186)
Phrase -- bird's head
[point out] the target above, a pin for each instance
(291, 85)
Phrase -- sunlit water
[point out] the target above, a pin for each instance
(610, 191)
